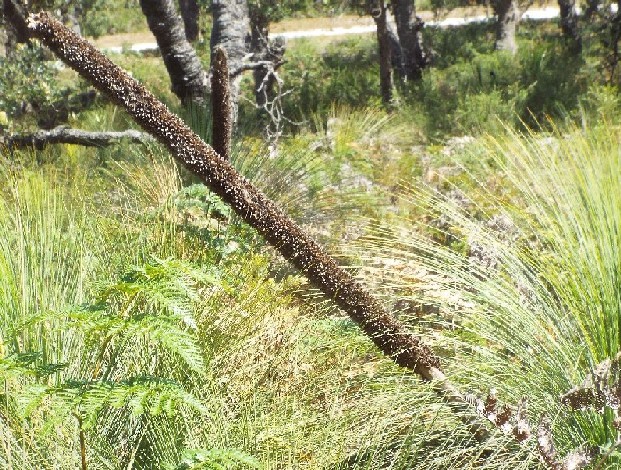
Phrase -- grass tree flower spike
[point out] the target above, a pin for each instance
(389, 335)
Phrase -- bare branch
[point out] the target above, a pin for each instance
(64, 135)
(257, 65)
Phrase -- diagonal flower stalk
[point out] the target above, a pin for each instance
(386, 332)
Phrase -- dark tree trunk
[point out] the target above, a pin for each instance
(231, 31)
(569, 24)
(508, 16)
(591, 8)
(189, 80)
(412, 58)
(190, 14)
(384, 43)
(14, 22)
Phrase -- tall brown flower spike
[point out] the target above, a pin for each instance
(390, 336)
(221, 111)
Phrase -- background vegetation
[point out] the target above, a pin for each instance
(143, 326)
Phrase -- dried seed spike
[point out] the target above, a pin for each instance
(221, 110)
(490, 404)
(504, 416)
(389, 335)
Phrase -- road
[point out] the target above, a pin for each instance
(532, 14)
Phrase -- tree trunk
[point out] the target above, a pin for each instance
(189, 80)
(410, 31)
(569, 24)
(508, 16)
(190, 14)
(264, 50)
(591, 8)
(384, 44)
(15, 26)
(231, 31)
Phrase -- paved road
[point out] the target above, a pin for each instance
(534, 14)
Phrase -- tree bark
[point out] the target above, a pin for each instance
(264, 50)
(15, 26)
(64, 135)
(190, 14)
(189, 80)
(569, 24)
(591, 8)
(231, 31)
(383, 40)
(508, 16)
(413, 58)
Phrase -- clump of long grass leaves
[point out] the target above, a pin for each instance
(524, 295)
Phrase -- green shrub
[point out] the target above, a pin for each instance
(27, 78)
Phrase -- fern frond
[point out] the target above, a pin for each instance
(216, 459)
(25, 364)
(140, 394)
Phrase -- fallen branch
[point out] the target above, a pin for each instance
(386, 332)
(65, 135)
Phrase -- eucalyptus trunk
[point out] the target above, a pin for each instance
(189, 80)
(190, 14)
(412, 58)
(569, 24)
(508, 16)
(383, 40)
(13, 27)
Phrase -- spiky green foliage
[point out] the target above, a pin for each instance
(215, 459)
(524, 290)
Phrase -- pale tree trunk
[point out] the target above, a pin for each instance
(383, 40)
(231, 31)
(264, 50)
(190, 14)
(569, 24)
(259, 44)
(508, 16)
(5, 44)
(189, 80)
(412, 57)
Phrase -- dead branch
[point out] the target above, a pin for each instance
(261, 64)
(64, 135)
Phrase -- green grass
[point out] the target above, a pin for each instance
(526, 293)
(132, 297)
